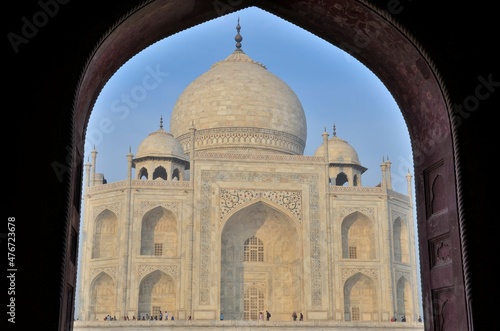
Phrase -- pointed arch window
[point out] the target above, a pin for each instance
(355, 180)
(253, 250)
(142, 174)
(341, 180)
(176, 174)
(160, 172)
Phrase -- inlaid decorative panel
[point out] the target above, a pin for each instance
(290, 200)
(208, 178)
(171, 270)
(440, 251)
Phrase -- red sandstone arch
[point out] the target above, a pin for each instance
(371, 36)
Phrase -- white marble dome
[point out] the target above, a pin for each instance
(339, 152)
(160, 143)
(238, 105)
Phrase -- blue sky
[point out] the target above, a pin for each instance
(333, 87)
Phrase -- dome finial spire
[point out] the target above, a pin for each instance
(238, 37)
(334, 130)
(161, 122)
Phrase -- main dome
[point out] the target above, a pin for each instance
(238, 105)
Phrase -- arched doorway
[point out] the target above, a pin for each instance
(157, 294)
(261, 264)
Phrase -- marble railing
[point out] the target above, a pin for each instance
(138, 183)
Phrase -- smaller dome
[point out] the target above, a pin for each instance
(339, 151)
(160, 144)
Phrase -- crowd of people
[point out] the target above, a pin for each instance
(403, 319)
(146, 317)
(165, 316)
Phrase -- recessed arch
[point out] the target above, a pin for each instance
(276, 240)
(401, 241)
(157, 292)
(358, 237)
(404, 300)
(102, 297)
(361, 298)
(159, 232)
(105, 241)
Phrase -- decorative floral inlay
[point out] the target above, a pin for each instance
(400, 274)
(370, 272)
(344, 211)
(259, 285)
(111, 271)
(207, 155)
(356, 189)
(208, 178)
(443, 252)
(396, 214)
(171, 270)
(114, 207)
(148, 205)
(243, 137)
(291, 200)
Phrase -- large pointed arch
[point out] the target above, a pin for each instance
(374, 38)
(276, 278)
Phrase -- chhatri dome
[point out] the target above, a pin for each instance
(239, 106)
(339, 151)
(160, 156)
(161, 144)
(343, 161)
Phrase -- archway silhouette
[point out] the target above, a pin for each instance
(392, 55)
(402, 62)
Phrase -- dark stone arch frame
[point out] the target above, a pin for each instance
(367, 33)
(58, 52)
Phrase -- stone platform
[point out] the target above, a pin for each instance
(182, 325)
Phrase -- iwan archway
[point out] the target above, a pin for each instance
(371, 36)
(261, 264)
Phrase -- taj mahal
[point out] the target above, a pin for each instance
(223, 213)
